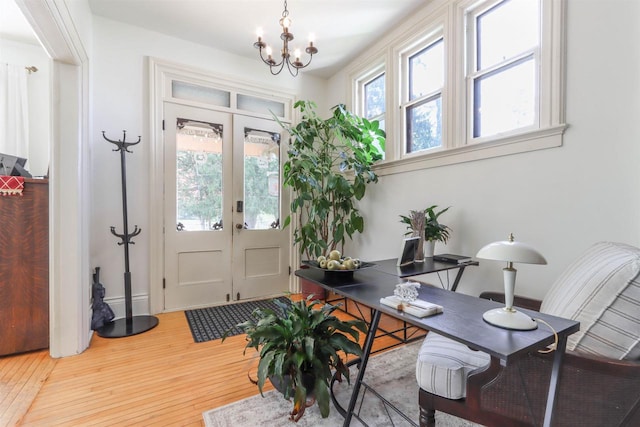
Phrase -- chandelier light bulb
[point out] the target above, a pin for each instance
(286, 23)
(312, 38)
(269, 51)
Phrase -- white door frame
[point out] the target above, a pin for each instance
(161, 73)
(69, 178)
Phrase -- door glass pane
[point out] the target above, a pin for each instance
(505, 100)
(207, 95)
(259, 105)
(261, 179)
(198, 175)
(506, 30)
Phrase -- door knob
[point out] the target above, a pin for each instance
(239, 226)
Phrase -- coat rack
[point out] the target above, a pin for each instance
(130, 324)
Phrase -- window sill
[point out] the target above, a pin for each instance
(531, 141)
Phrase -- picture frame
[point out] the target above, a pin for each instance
(408, 251)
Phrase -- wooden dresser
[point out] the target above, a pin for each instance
(24, 269)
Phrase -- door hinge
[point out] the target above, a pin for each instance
(289, 270)
(228, 297)
(238, 296)
(163, 124)
(164, 283)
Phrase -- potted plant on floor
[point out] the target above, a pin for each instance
(329, 166)
(434, 231)
(300, 347)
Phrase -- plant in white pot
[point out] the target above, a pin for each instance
(434, 231)
(300, 346)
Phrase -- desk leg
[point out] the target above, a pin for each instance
(457, 279)
(555, 379)
(366, 351)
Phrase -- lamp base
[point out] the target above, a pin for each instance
(509, 319)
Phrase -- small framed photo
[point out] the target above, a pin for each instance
(408, 250)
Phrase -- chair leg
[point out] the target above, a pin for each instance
(427, 417)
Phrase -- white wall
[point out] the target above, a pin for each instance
(560, 200)
(120, 102)
(38, 86)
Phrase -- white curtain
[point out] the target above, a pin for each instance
(14, 111)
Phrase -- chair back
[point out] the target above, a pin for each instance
(601, 290)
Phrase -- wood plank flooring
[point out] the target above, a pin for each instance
(21, 378)
(158, 378)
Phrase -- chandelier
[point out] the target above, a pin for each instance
(293, 66)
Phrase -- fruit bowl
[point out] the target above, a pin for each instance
(337, 273)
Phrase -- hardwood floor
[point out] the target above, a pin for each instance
(158, 378)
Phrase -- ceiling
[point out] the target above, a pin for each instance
(342, 28)
(13, 24)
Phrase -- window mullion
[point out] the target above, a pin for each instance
(506, 64)
(423, 99)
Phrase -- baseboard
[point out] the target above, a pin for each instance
(139, 305)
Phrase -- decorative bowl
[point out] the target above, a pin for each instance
(337, 273)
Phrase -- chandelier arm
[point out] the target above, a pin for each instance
(289, 66)
(308, 62)
(270, 64)
(279, 66)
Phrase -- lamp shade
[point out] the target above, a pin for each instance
(511, 251)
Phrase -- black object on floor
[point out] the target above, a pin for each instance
(211, 323)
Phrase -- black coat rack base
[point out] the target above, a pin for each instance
(130, 324)
(126, 327)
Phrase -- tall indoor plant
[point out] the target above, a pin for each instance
(300, 346)
(328, 167)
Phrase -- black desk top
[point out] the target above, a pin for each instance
(461, 319)
(428, 266)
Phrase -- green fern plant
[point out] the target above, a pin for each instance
(301, 341)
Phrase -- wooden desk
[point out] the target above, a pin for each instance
(24, 269)
(460, 321)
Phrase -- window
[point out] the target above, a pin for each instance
(465, 80)
(504, 45)
(423, 106)
(374, 99)
(371, 96)
(375, 103)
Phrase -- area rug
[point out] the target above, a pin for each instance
(213, 322)
(391, 374)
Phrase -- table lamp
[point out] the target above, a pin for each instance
(510, 251)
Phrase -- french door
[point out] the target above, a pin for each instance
(223, 205)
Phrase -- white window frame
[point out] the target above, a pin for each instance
(451, 17)
(362, 80)
(472, 72)
(426, 40)
(365, 72)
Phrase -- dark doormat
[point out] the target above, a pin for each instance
(211, 323)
